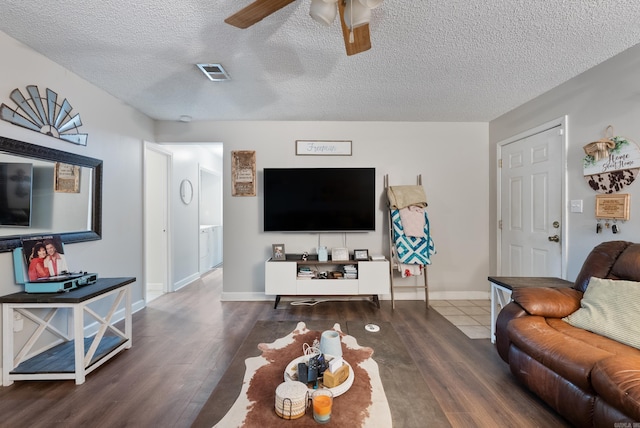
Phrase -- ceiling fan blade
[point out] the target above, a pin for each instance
(361, 36)
(256, 11)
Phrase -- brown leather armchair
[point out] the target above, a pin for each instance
(589, 379)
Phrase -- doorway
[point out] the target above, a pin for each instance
(210, 218)
(157, 173)
(531, 194)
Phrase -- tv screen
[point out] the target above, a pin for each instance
(15, 194)
(319, 199)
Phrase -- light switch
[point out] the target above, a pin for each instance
(576, 206)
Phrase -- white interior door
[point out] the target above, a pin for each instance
(531, 207)
(156, 190)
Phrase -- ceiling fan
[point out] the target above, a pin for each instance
(354, 18)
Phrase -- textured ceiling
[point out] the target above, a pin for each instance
(431, 60)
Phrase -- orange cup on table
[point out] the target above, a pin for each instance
(322, 400)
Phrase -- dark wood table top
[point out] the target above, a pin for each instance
(77, 295)
(512, 282)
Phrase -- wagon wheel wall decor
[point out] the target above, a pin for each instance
(46, 114)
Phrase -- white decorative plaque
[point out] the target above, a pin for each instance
(323, 148)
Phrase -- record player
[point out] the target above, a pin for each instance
(54, 284)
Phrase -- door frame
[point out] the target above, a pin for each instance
(562, 122)
(149, 146)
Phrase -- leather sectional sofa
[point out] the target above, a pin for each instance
(590, 379)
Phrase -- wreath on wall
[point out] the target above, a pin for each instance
(611, 163)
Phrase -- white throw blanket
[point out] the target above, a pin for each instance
(410, 270)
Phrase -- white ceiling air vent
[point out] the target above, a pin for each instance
(214, 72)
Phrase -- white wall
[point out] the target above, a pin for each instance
(116, 133)
(453, 161)
(608, 94)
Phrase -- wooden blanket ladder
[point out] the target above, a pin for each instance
(394, 262)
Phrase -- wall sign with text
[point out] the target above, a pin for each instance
(323, 148)
(614, 207)
(243, 173)
(611, 164)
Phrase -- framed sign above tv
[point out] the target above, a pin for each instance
(323, 148)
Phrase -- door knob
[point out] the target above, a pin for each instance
(554, 238)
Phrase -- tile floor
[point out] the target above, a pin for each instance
(472, 317)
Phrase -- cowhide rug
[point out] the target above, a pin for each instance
(363, 405)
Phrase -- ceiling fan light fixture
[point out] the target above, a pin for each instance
(371, 4)
(356, 14)
(323, 11)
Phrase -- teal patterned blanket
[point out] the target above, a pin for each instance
(409, 249)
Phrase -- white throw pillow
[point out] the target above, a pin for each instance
(610, 308)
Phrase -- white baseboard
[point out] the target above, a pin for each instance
(438, 295)
(186, 281)
(245, 297)
(459, 295)
(137, 306)
(434, 295)
(155, 286)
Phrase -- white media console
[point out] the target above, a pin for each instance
(281, 278)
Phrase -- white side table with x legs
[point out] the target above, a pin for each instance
(73, 355)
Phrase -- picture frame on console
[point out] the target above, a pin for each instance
(339, 254)
(278, 252)
(362, 255)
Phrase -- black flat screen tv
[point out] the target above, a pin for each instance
(15, 194)
(319, 199)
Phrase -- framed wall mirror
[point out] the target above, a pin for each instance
(48, 191)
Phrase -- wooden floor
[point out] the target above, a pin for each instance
(184, 341)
